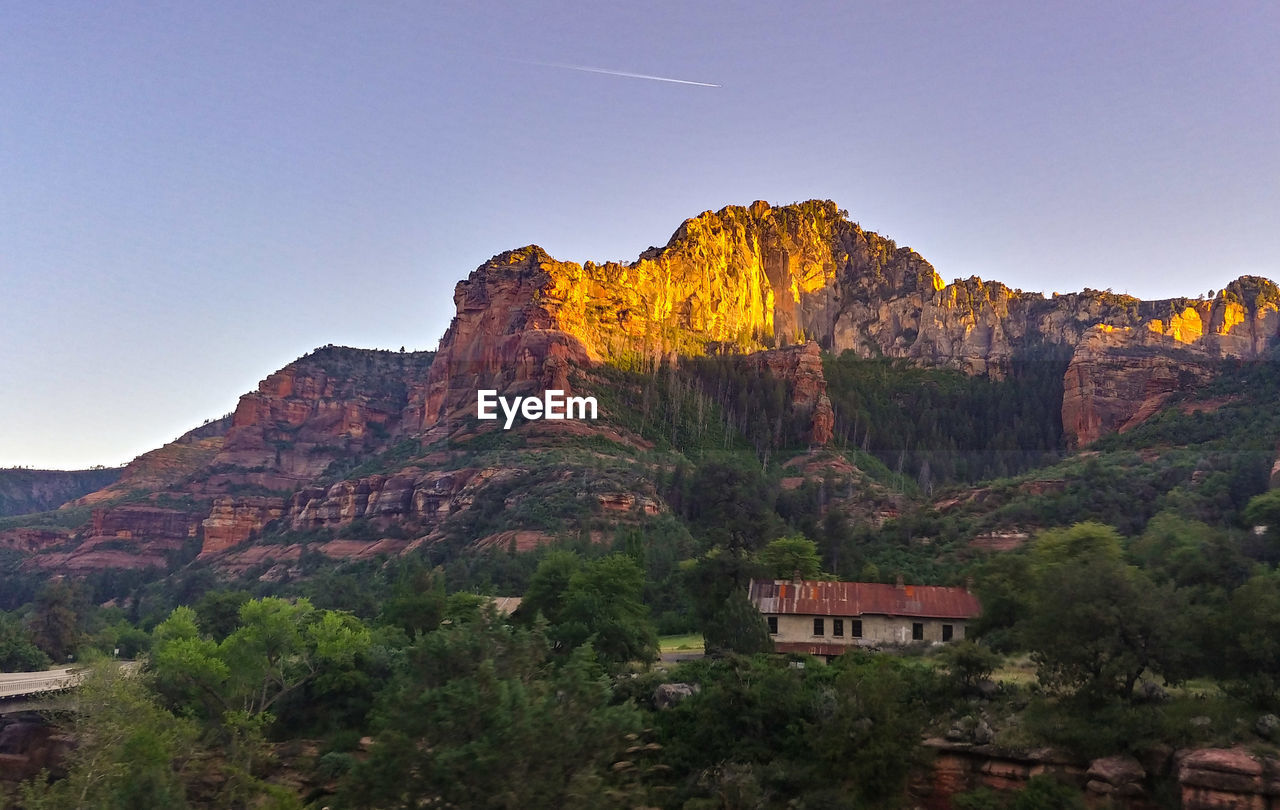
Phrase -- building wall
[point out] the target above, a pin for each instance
(876, 630)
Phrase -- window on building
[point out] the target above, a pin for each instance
(837, 627)
(947, 632)
(917, 631)
(773, 625)
(855, 628)
(819, 628)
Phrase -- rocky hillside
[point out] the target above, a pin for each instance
(26, 491)
(713, 343)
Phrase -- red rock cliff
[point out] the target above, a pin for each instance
(334, 403)
(755, 278)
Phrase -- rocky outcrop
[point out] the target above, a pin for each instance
(233, 520)
(962, 767)
(669, 695)
(1118, 379)
(776, 284)
(1119, 781)
(142, 522)
(1118, 777)
(1219, 778)
(334, 403)
(741, 279)
(1207, 779)
(514, 540)
(422, 498)
(999, 541)
(276, 562)
(628, 502)
(31, 541)
(28, 745)
(135, 536)
(801, 368)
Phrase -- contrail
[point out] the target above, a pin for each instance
(607, 72)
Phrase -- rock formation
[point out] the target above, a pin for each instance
(332, 404)
(801, 368)
(232, 520)
(755, 278)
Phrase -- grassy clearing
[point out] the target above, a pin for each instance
(1017, 670)
(689, 642)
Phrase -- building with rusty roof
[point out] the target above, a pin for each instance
(827, 618)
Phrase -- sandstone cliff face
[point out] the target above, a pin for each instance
(127, 536)
(334, 403)
(1122, 374)
(232, 520)
(1116, 380)
(742, 279)
(750, 279)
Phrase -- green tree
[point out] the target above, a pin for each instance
(870, 738)
(835, 736)
(417, 602)
(1264, 510)
(1003, 586)
(713, 581)
(549, 585)
(17, 651)
(1083, 541)
(1250, 656)
(279, 647)
(737, 628)
(479, 717)
(1189, 553)
(787, 556)
(731, 505)
(968, 663)
(54, 623)
(218, 612)
(131, 754)
(603, 604)
(1094, 624)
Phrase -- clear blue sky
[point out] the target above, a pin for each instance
(192, 195)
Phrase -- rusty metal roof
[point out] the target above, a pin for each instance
(815, 598)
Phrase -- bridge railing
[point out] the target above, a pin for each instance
(32, 686)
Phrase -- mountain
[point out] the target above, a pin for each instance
(838, 362)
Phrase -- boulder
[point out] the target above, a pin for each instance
(1267, 727)
(669, 694)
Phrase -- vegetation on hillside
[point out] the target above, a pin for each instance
(1142, 598)
(24, 491)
